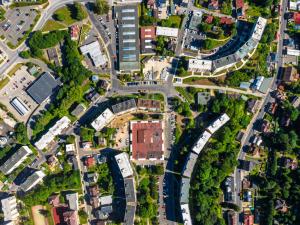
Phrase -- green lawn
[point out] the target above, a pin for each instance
(172, 21)
(3, 82)
(66, 14)
(2, 13)
(52, 25)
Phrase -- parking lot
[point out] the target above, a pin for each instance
(18, 21)
(16, 88)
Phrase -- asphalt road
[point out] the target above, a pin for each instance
(266, 100)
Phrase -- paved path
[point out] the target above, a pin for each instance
(227, 89)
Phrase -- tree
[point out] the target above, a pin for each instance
(79, 12)
(59, 16)
(208, 44)
(101, 7)
(24, 54)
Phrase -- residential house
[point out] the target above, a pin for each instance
(213, 5)
(290, 74)
(296, 18)
(209, 19)
(73, 201)
(296, 102)
(239, 6)
(265, 126)
(89, 161)
(272, 106)
(252, 105)
(91, 177)
(71, 218)
(74, 32)
(54, 200)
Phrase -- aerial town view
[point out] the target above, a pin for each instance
(147, 112)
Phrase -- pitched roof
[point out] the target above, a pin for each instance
(297, 18)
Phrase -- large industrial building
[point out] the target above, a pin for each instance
(93, 50)
(128, 32)
(42, 88)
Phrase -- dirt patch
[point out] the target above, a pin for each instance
(37, 214)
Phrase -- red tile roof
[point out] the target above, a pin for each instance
(248, 219)
(297, 18)
(239, 4)
(148, 104)
(226, 20)
(89, 161)
(148, 32)
(147, 139)
(57, 213)
(214, 3)
(70, 217)
(209, 19)
(75, 31)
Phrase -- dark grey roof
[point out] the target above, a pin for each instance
(189, 165)
(130, 194)
(224, 61)
(30, 180)
(79, 110)
(42, 88)
(145, 50)
(124, 106)
(129, 215)
(10, 163)
(129, 50)
(184, 190)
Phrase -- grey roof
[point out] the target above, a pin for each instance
(226, 60)
(265, 85)
(130, 194)
(14, 160)
(73, 200)
(129, 215)
(195, 21)
(246, 48)
(80, 108)
(32, 179)
(184, 190)
(124, 106)
(42, 88)
(189, 165)
(129, 50)
(203, 98)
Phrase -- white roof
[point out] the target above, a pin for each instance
(186, 216)
(73, 201)
(57, 129)
(199, 145)
(218, 123)
(101, 121)
(106, 200)
(259, 28)
(9, 208)
(94, 51)
(19, 106)
(293, 52)
(294, 5)
(200, 64)
(124, 164)
(70, 148)
(167, 31)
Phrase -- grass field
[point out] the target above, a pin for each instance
(66, 12)
(52, 25)
(3, 82)
(172, 21)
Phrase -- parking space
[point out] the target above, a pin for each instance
(18, 21)
(16, 88)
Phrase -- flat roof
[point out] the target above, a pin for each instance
(73, 201)
(55, 130)
(129, 214)
(128, 31)
(195, 20)
(201, 142)
(103, 119)
(124, 106)
(184, 190)
(19, 106)
(106, 200)
(93, 50)
(259, 28)
(186, 215)
(218, 123)
(167, 31)
(146, 140)
(148, 104)
(9, 208)
(130, 193)
(42, 88)
(15, 160)
(32, 180)
(124, 164)
(189, 164)
(200, 64)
